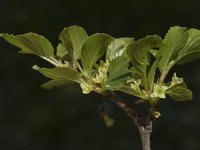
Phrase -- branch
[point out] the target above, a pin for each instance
(144, 129)
(123, 105)
(130, 111)
(145, 134)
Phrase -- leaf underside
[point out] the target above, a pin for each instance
(59, 73)
(180, 93)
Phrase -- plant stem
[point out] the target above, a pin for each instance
(145, 133)
(145, 129)
(52, 61)
(122, 104)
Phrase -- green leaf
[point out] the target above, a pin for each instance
(191, 49)
(190, 56)
(139, 53)
(59, 73)
(151, 75)
(93, 49)
(72, 39)
(129, 90)
(118, 67)
(174, 41)
(153, 52)
(31, 43)
(115, 84)
(180, 93)
(55, 83)
(118, 73)
(179, 46)
(118, 47)
(61, 52)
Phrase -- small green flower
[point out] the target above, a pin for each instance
(176, 80)
(159, 91)
(136, 84)
(86, 87)
(101, 75)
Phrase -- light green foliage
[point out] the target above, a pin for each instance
(118, 73)
(72, 39)
(139, 54)
(191, 48)
(55, 83)
(180, 93)
(173, 42)
(64, 73)
(31, 43)
(179, 46)
(102, 63)
(118, 48)
(93, 49)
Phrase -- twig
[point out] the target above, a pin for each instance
(144, 129)
(122, 104)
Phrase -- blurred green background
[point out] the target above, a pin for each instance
(32, 118)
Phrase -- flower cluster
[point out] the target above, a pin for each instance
(101, 75)
(99, 78)
(160, 90)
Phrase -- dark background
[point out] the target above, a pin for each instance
(32, 118)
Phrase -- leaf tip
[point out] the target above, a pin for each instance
(46, 87)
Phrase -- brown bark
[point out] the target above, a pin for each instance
(144, 130)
